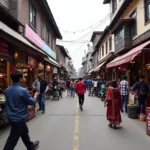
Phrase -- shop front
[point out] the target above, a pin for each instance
(5, 58)
(134, 63)
(48, 72)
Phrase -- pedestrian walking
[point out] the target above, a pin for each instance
(114, 105)
(73, 85)
(36, 88)
(62, 84)
(68, 86)
(95, 87)
(43, 90)
(17, 100)
(101, 83)
(89, 85)
(142, 92)
(124, 89)
(80, 90)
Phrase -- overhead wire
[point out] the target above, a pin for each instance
(88, 33)
(82, 30)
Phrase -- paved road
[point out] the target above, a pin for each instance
(65, 127)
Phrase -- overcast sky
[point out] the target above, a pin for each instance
(75, 15)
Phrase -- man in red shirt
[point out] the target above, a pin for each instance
(80, 90)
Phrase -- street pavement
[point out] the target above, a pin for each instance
(65, 127)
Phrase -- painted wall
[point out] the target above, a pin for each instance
(23, 17)
(103, 43)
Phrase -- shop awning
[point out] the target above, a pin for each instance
(91, 71)
(17, 36)
(129, 56)
(98, 67)
(53, 62)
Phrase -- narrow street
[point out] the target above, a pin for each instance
(58, 128)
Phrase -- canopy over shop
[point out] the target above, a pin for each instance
(137, 64)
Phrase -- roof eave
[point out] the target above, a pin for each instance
(58, 34)
(102, 37)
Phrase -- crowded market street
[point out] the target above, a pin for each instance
(65, 127)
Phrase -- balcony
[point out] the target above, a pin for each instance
(125, 43)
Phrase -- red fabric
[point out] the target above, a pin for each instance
(114, 105)
(80, 87)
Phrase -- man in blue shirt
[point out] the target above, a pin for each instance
(17, 101)
(89, 85)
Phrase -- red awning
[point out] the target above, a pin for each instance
(129, 56)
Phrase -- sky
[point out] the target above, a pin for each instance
(77, 19)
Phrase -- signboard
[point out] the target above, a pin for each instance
(32, 62)
(34, 38)
(55, 70)
(4, 48)
(41, 66)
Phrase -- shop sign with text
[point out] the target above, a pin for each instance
(32, 62)
(34, 38)
(4, 48)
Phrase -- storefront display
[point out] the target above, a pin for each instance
(32, 71)
(48, 72)
(4, 65)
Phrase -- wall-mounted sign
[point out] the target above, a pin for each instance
(4, 48)
(41, 66)
(34, 38)
(32, 62)
(55, 70)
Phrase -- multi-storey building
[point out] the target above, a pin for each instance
(28, 39)
(130, 28)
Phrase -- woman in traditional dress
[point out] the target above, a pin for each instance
(114, 105)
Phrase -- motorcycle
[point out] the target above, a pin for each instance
(3, 118)
(53, 91)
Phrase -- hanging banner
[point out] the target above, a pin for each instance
(34, 38)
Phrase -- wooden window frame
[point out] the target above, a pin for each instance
(33, 22)
(135, 11)
(42, 28)
(113, 6)
(145, 11)
(110, 44)
(106, 47)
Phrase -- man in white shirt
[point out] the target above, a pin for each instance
(95, 86)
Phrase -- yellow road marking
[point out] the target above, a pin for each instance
(76, 131)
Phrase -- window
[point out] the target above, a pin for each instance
(114, 6)
(133, 25)
(147, 10)
(106, 48)
(110, 44)
(102, 50)
(119, 36)
(52, 42)
(32, 16)
(42, 29)
(48, 37)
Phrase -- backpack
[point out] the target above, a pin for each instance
(142, 90)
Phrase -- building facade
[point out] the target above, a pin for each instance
(27, 40)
